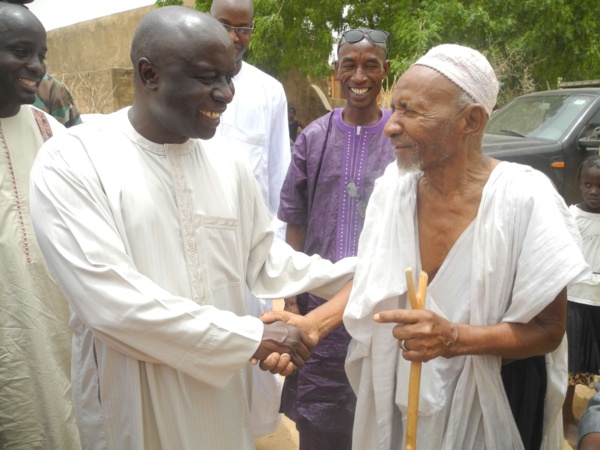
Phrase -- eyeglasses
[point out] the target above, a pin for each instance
(354, 36)
(240, 31)
(361, 204)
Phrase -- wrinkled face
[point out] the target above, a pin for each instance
(22, 54)
(193, 87)
(235, 16)
(361, 68)
(589, 186)
(422, 126)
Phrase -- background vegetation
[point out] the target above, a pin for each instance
(530, 43)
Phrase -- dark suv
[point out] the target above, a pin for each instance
(552, 131)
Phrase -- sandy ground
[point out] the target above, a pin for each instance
(286, 436)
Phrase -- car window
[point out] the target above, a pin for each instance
(546, 117)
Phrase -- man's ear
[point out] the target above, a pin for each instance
(336, 67)
(475, 118)
(148, 73)
(386, 67)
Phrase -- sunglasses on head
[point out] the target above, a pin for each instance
(354, 36)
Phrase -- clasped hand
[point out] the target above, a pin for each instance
(283, 349)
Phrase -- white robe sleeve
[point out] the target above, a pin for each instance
(87, 257)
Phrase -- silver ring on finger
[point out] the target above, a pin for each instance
(403, 345)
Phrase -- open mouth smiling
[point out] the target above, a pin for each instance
(211, 114)
(359, 91)
(28, 82)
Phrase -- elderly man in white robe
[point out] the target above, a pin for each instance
(499, 247)
(153, 240)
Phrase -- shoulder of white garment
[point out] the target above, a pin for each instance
(257, 77)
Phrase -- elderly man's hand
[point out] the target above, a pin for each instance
(281, 341)
(303, 323)
(280, 363)
(422, 335)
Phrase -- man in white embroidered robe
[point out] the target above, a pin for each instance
(495, 239)
(36, 410)
(152, 239)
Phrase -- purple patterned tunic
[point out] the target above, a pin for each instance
(328, 156)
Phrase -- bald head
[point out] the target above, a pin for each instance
(172, 32)
(13, 15)
(246, 5)
(18, 2)
(183, 63)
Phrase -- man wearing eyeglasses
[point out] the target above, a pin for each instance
(335, 162)
(256, 125)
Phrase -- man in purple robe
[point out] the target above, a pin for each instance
(335, 162)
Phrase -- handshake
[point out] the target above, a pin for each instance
(288, 340)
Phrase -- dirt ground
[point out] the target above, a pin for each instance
(286, 436)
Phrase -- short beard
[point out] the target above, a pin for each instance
(415, 162)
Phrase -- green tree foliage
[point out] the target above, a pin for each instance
(531, 43)
(292, 34)
(160, 3)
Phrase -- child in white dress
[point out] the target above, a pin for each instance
(583, 307)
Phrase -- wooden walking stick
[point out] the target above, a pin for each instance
(417, 301)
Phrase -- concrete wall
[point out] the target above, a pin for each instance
(92, 60)
(94, 44)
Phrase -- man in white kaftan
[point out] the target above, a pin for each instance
(498, 245)
(492, 274)
(153, 240)
(256, 126)
(480, 229)
(36, 410)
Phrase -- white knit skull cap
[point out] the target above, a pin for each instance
(468, 69)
